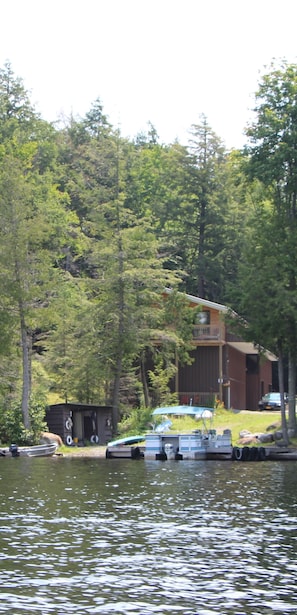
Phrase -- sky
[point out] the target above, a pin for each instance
(160, 61)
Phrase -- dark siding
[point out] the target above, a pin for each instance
(237, 377)
(57, 415)
(203, 373)
(254, 388)
(55, 420)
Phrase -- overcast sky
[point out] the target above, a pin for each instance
(163, 61)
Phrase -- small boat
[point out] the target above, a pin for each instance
(163, 444)
(126, 448)
(40, 450)
(197, 445)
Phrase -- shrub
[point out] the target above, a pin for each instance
(12, 427)
(138, 421)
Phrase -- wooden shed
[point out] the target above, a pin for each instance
(80, 422)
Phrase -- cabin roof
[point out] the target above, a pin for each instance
(204, 302)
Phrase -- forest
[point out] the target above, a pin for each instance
(94, 227)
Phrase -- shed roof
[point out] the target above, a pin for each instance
(76, 407)
(250, 348)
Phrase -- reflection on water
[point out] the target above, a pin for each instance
(83, 536)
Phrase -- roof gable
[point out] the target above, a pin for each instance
(203, 302)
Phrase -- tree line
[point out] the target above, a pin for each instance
(94, 227)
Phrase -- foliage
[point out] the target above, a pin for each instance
(273, 135)
(272, 162)
(17, 116)
(137, 421)
(12, 429)
(163, 373)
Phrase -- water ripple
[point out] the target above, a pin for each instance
(201, 538)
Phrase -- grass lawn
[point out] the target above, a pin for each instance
(255, 422)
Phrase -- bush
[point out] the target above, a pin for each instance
(137, 422)
(12, 426)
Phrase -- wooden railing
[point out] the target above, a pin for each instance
(207, 332)
(198, 399)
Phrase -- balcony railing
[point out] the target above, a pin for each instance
(202, 398)
(207, 332)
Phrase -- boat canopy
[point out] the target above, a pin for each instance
(128, 440)
(183, 410)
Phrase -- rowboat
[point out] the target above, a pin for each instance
(40, 450)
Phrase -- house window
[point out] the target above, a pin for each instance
(203, 318)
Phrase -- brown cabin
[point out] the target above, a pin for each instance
(224, 366)
(80, 422)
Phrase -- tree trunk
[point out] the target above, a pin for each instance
(26, 390)
(292, 393)
(121, 309)
(121, 317)
(144, 383)
(282, 396)
(201, 248)
(116, 394)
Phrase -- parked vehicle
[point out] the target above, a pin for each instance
(271, 401)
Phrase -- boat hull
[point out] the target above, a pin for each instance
(40, 450)
(124, 452)
(191, 456)
(193, 446)
(162, 446)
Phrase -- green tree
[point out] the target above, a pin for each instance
(131, 279)
(184, 190)
(17, 115)
(87, 155)
(128, 269)
(273, 161)
(36, 227)
(262, 295)
(70, 358)
(195, 196)
(31, 237)
(207, 162)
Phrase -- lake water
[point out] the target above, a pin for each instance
(87, 536)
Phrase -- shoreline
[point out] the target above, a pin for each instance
(82, 451)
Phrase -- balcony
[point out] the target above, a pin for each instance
(202, 398)
(207, 333)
